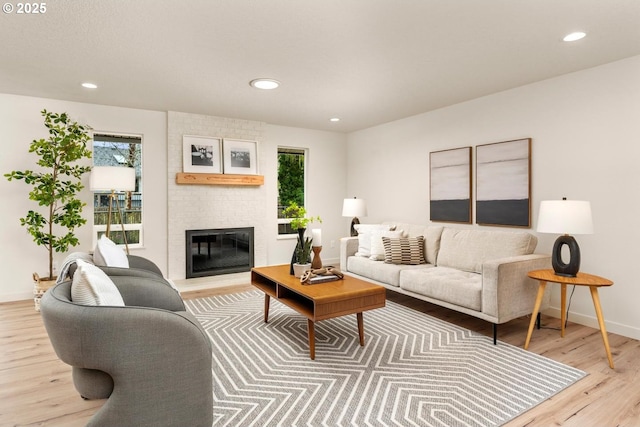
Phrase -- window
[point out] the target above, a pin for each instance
(291, 183)
(125, 151)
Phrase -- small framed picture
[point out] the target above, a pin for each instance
(201, 154)
(240, 157)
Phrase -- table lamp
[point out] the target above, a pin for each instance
(113, 179)
(354, 208)
(565, 217)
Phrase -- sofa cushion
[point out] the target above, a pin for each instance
(467, 249)
(404, 250)
(91, 286)
(108, 254)
(364, 236)
(377, 246)
(445, 284)
(431, 235)
(379, 271)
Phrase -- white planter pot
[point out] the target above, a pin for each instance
(299, 269)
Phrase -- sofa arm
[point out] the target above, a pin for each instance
(348, 247)
(148, 292)
(143, 263)
(507, 291)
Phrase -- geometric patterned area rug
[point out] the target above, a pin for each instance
(414, 369)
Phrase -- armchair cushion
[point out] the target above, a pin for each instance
(109, 254)
(91, 286)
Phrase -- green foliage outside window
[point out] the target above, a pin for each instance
(291, 164)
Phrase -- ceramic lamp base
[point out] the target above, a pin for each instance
(571, 268)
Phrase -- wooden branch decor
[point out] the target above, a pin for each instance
(218, 179)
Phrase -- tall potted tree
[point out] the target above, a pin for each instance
(55, 185)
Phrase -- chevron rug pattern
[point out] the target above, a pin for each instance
(414, 370)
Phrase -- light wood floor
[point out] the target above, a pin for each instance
(36, 388)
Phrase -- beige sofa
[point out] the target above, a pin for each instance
(479, 272)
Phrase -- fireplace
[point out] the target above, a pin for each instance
(219, 251)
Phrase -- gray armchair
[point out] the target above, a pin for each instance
(151, 358)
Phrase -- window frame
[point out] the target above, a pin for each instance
(305, 152)
(99, 229)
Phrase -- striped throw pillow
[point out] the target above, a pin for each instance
(404, 250)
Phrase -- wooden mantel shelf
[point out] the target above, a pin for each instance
(218, 179)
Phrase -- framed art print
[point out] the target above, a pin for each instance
(503, 183)
(450, 185)
(240, 156)
(201, 154)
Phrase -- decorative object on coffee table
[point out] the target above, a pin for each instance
(316, 247)
(299, 221)
(354, 208)
(565, 217)
(317, 262)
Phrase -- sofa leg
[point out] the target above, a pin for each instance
(495, 334)
(538, 323)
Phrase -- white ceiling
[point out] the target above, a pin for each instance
(365, 61)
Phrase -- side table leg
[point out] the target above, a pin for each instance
(361, 328)
(603, 331)
(312, 339)
(563, 308)
(536, 310)
(267, 298)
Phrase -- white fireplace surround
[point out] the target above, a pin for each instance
(193, 207)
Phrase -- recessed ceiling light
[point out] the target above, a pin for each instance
(90, 85)
(266, 84)
(334, 119)
(574, 36)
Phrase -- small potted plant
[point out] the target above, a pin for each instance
(301, 259)
(55, 186)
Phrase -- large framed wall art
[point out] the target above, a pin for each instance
(450, 185)
(240, 157)
(503, 183)
(201, 154)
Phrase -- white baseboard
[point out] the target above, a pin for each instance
(19, 296)
(592, 321)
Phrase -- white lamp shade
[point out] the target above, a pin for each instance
(112, 178)
(354, 207)
(565, 217)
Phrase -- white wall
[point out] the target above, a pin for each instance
(585, 129)
(20, 123)
(326, 183)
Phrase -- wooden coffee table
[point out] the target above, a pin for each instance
(318, 302)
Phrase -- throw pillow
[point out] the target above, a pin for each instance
(377, 247)
(91, 286)
(364, 237)
(108, 254)
(404, 250)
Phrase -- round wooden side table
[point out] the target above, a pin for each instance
(582, 279)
